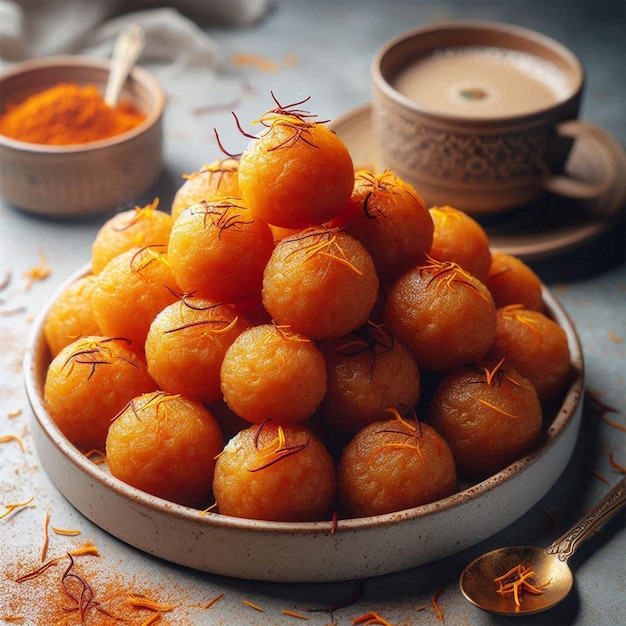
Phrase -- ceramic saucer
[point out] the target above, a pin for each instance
(546, 230)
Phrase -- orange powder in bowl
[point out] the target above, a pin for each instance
(67, 114)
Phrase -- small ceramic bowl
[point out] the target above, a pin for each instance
(304, 551)
(87, 178)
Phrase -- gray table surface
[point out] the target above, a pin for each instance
(323, 49)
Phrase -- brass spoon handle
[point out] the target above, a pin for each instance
(568, 543)
(126, 51)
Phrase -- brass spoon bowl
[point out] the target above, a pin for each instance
(552, 574)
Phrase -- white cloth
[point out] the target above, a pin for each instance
(172, 40)
(178, 52)
(35, 28)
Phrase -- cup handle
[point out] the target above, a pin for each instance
(609, 161)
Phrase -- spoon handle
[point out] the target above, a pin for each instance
(126, 51)
(568, 543)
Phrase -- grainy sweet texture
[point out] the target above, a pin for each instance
(536, 347)
(274, 472)
(444, 315)
(295, 172)
(321, 282)
(393, 465)
(272, 372)
(389, 217)
(512, 282)
(368, 373)
(489, 415)
(218, 250)
(165, 445)
(136, 228)
(219, 179)
(186, 344)
(71, 315)
(88, 382)
(129, 292)
(458, 237)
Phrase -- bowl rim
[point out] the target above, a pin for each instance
(138, 73)
(37, 350)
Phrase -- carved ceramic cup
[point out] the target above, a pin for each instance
(483, 116)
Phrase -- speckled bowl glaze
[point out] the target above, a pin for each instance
(88, 178)
(303, 552)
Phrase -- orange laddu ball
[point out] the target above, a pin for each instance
(186, 344)
(130, 291)
(218, 250)
(393, 465)
(511, 281)
(136, 228)
(389, 217)
(489, 414)
(271, 372)
(296, 172)
(321, 282)
(369, 372)
(442, 314)
(536, 346)
(219, 179)
(165, 445)
(275, 472)
(88, 382)
(460, 238)
(71, 315)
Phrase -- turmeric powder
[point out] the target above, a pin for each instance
(67, 114)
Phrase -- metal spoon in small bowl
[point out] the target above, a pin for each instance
(126, 51)
(552, 576)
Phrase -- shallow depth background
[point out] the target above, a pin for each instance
(323, 49)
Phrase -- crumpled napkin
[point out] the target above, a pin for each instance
(173, 42)
(35, 28)
(178, 52)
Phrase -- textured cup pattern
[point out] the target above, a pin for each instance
(411, 146)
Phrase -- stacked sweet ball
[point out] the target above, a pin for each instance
(297, 339)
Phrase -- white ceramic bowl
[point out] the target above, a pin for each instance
(86, 178)
(303, 552)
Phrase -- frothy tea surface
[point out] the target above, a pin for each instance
(483, 82)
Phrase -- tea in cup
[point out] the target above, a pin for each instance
(483, 116)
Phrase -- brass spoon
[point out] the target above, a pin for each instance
(551, 572)
(128, 47)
